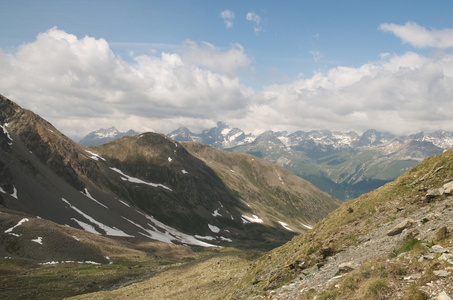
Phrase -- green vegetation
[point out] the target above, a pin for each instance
(409, 245)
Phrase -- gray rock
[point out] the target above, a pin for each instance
(346, 267)
(443, 296)
(441, 273)
(400, 227)
(438, 249)
(446, 257)
(434, 193)
(448, 188)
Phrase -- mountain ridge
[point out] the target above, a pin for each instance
(147, 185)
(344, 165)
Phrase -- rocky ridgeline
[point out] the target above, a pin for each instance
(434, 263)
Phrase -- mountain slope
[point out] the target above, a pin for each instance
(393, 242)
(146, 186)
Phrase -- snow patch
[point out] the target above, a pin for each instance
(38, 240)
(10, 230)
(136, 180)
(94, 156)
(5, 131)
(169, 159)
(108, 230)
(14, 194)
(216, 213)
(85, 226)
(124, 203)
(225, 131)
(213, 228)
(306, 226)
(207, 238)
(91, 197)
(254, 219)
(286, 226)
(226, 239)
(172, 234)
(70, 261)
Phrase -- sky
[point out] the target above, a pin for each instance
(257, 65)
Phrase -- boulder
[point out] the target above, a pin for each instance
(443, 296)
(441, 273)
(438, 249)
(448, 188)
(434, 193)
(400, 227)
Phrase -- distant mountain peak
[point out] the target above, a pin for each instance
(102, 136)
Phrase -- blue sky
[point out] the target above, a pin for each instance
(257, 65)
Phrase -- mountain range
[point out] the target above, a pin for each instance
(150, 186)
(144, 215)
(345, 165)
(103, 136)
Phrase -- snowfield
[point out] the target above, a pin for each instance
(108, 230)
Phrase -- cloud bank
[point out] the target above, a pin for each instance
(80, 85)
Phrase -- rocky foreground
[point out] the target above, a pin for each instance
(393, 243)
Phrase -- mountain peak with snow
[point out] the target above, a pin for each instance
(102, 136)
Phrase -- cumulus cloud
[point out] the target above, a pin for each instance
(80, 85)
(73, 81)
(228, 17)
(419, 36)
(400, 94)
(207, 55)
(254, 18)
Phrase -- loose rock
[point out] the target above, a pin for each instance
(400, 227)
(443, 296)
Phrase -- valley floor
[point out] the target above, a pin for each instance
(209, 275)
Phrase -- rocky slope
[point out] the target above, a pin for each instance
(150, 186)
(392, 243)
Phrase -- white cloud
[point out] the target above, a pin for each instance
(207, 55)
(80, 84)
(419, 36)
(400, 94)
(251, 16)
(228, 17)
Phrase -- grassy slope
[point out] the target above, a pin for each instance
(342, 228)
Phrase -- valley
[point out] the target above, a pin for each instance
(119, 211)
(149, 217)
